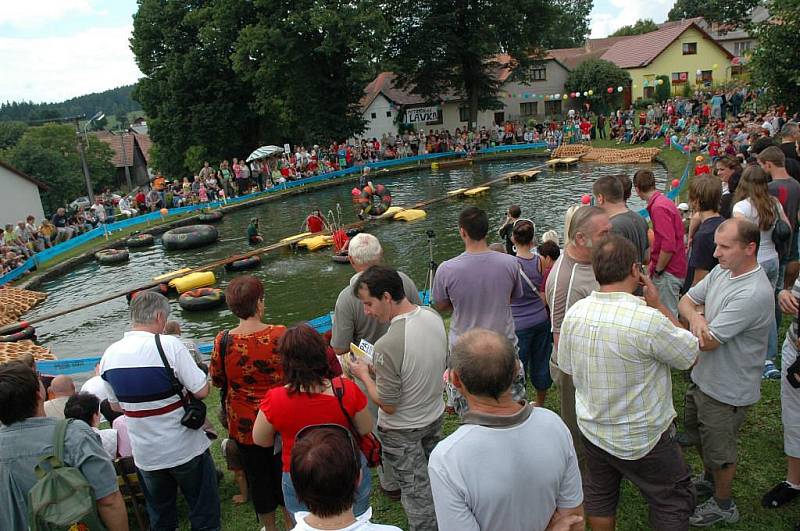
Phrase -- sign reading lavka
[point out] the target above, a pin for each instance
(422, 114)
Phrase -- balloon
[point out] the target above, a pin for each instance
(715, 66)
(619, 89)
(675, 183)
(660, 82)
(591, 92)
(610, 90)
(635, 86)
(557, 96)
(699, 72)
(565, 96)
(164, 211)
(355, 191)
(586, 199)
(585, 93)
(644, 84)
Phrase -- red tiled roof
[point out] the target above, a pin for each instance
(384, 84)
(144, 144)
(641, 50)
(122, 146)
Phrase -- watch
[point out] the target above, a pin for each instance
(658, 273)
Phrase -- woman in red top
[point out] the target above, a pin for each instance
(308, 399)
(250, 366)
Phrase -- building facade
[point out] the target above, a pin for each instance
(20, 195)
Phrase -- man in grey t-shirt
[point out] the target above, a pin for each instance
(610, 195)
(726, 381)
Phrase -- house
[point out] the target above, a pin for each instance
(131, 155)
(736, 40)
(20, 197)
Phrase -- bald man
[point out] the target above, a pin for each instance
(61, 388)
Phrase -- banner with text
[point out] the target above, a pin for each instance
(422, 114)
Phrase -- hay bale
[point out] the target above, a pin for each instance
(16, 302)
(13, 351)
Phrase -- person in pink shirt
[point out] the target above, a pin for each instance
(668, 254)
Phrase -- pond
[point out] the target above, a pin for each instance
(302, 285)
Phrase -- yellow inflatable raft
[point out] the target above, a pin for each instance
(316, 242)
(391, 212)
(411, 215)
(296, 237)
(193, 281)
(171, 274)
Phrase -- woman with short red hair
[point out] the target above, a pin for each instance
(246, 363)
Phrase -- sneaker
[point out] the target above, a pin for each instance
(770, 371)
(709, 513)
(780, 495)
(702, 486)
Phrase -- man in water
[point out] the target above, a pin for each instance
(253, 237)
(315, 222)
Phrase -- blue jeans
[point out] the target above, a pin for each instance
(535, 345)
(772, 269)
(197, 480)
(362, 500)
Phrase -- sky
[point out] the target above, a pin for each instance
(52, 50)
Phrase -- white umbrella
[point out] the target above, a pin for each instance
(264, 152)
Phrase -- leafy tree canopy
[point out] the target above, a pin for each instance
(598, 75)
(643, 25)
(50, 153)
(776, 60)
(10, 133)
(440, 47)
(731, 12)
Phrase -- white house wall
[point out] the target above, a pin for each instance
(19, 198)
(384, 121)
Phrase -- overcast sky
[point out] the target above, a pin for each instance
(52, 50)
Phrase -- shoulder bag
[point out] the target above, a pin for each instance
(781, 233)
(194, 410)
(223, 390)
(369, 444)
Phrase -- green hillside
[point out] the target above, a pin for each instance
(114, 102)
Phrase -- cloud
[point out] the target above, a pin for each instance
(49, 69)
(607, 17)
(33, 13)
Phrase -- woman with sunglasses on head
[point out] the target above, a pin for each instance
(309, 398)
(531, 321)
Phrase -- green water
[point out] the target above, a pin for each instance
(302, 285)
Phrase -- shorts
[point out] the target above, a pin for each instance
(790, 403)
(662, 476)
(262, 468)
(230, 451)
(713, 427)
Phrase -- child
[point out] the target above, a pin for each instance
(203, 194)
(230, 451)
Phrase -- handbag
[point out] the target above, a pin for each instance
(194, 415)
(781, 234)
(369, 444)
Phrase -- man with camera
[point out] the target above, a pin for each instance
(154, 381)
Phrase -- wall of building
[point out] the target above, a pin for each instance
(672, 60)
(19, 198)
(384, 120)
(556, 77)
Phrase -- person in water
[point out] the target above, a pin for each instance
(315, 222)
(253, 237)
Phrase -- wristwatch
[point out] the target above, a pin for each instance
(658, 273)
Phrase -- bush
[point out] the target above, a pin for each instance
(663, 90)
(642, 103)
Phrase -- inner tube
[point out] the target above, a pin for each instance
(162, 288)
(245, 263)
(341, 258)
(189, 237)
(111, 256)
(210, 217)
(375, 202)
(352, 232)
(140, 240)
(28, 332)
(202, 299)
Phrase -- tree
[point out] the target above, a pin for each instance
(776, 60)
(663, 91)
(50, 153)
(10, 133)
(735, 13)
(598, 75)
(310, 61)
(643, 25)
(440, 47)
(571, 25)
(110, 102)
(190, 92)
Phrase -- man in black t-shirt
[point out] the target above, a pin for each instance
(513, 214)
(64, 231)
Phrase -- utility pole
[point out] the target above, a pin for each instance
(81, 152)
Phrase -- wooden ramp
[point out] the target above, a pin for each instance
(456, 193)
(451, 164)
(566, 161)
(476, 191)
(523, 175)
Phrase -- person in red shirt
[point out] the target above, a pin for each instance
(585, 127)
(701, 167)
(315, 222)
(310, 398)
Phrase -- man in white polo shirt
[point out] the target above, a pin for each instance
(167, 454)
(409, 362)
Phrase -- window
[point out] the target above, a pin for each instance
(463, 113)
(388, 114)
(539, 73)
(680, 77)
(529, 109)
(741, 47)
(374, 116)
(649, 92)
(706, 76)
(552, 107)
(689, 48)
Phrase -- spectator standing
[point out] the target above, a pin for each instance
(325, 473)
(610, 195)
(26, 436)
(732, 332)
(773, 161)
(61, 388)
(531, 322)
(168, 454)
(729, 171)
(310, 397)
(537, 488)
(571, 280)
(86, 407)
(409, 361)
(513, 214)
(668, 253)
(704, 196)
(619, 351)
(245, 362)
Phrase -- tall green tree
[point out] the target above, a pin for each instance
(10, 133)
(50, 153)
(190, 92)
(735, 13)
(643, 25)
(309, 61)
(440, 47)
(776, 60)
(598, 76)
(571, 25)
